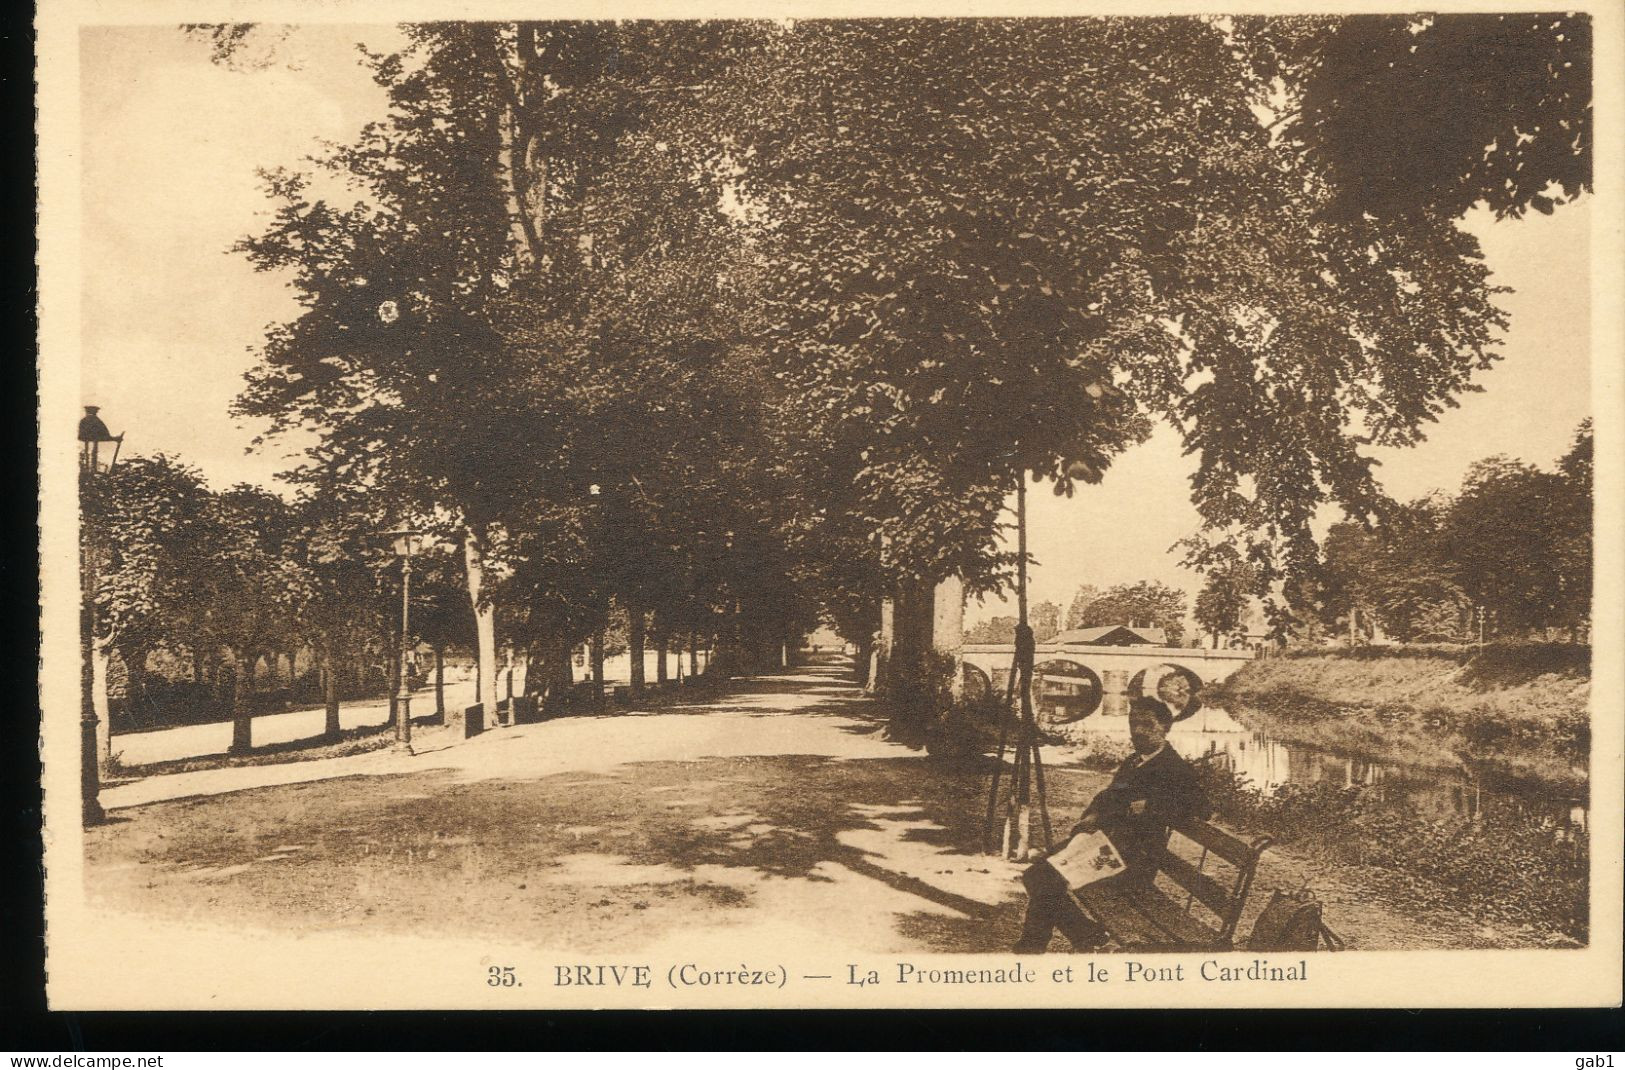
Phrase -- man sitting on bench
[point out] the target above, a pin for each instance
(1153, 789)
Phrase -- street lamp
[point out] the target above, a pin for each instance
(595, 643)
(405, 543)
(93, 436)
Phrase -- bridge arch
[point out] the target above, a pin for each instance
(1175, 685)
(978, 687)
(1065, 690)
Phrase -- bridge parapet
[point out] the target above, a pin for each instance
(1081, 679)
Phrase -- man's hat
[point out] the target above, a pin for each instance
(1159, 710)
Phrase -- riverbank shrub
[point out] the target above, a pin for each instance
(1514, 661)
(918, 689)
(1521, 869)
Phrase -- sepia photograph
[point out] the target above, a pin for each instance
(1035, 509)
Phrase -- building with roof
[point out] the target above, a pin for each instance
(1112, 635)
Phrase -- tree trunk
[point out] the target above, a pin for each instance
(392, 686)
(634, 640)
(198, 673)
(330, 694)
(279, 682)
(515, 155)
(598, 665)
(860, 662)
(136, 710)
(693, 655)
(485, 686)
(535, 672)
(100, 662)
(440, 683)
(661, 673)
(242, 713)
(564, 665)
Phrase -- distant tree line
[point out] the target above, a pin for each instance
(1509, 555)
(1144, 604)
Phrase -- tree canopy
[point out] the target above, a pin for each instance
(804, 299)
(1412, 114)
(1146, 604)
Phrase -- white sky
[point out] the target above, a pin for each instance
(171, 316)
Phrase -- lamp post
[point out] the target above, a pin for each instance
(595, 642)
(405, 543)
(93, 436)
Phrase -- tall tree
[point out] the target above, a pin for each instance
(335, 551)
(1351, 574)
(1504, 535)
(253, 589)
(1002, 246)
(506, 318)
(1147, 603)
(1575, 531)
(143, 519)
(1417, 596)
(1222, 602)
(1081, 600)
(1045, 621)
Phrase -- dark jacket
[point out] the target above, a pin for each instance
(1172, 795)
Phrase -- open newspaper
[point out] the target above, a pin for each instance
(1086, 857)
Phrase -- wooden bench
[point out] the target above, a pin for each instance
(1142, 914)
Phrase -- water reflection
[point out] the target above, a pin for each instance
(1213, 735)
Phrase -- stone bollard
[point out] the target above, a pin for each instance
(467, 722)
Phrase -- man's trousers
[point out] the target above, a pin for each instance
(1050, 906)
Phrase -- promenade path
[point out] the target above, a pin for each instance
(777, 813)
(203, 740)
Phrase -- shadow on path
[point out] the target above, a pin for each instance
(867, 843)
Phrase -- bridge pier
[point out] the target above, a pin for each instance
(1115, 682)
(1122, 670)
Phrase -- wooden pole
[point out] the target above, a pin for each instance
(1016, 841)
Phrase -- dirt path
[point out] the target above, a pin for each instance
(779, 813)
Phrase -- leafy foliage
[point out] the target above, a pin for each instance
(1044, 619)
(998, 246)
(1409, 115)
(1148, 603)
(1085, 594)
(1517, 869)
(805, 299)
(1222, 602)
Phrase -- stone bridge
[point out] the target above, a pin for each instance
(1072, 681)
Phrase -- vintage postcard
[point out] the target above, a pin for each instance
(638, 506)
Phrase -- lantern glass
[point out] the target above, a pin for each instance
(406, 543)
(98, 447)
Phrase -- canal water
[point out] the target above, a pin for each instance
(1214, 735)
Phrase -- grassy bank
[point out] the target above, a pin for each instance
(1515, 713)
(1515, 881)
